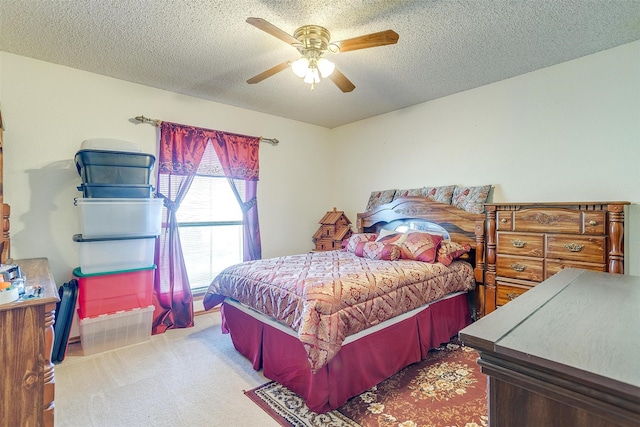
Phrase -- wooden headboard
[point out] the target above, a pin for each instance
(463, 227)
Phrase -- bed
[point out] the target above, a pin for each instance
(330, 325)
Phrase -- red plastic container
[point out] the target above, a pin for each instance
(107, 293)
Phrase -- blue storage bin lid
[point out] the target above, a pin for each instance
(78, 238)
(78, 273)
(111, 158)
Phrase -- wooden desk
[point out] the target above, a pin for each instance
(565, 353)
(26, 342)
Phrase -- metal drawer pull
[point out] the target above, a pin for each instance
(518, 243)
(503, 220)
(574, 247)
(592, 222)
(512, 295)
(518, 267)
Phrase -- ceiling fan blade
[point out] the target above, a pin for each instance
(340, 80)
(268, 73)
(268, 27)
(369, 40)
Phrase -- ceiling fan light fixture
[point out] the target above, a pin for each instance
(312, 76)
(326, 67)
(300, 66)
(311, 68)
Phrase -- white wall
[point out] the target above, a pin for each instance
(570, 132)
(49, 110)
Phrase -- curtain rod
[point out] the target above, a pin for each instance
(143, 119)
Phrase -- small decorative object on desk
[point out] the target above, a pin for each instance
(20, 283)
(32, 292)
(8, 292)
(334, 228)
(11, 283)
(8, 272)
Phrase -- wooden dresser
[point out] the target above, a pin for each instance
(26, 342)
(530, 242)
(564, 354)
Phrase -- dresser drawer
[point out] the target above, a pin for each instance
(504, 221)
(520, 267)
(521, 244)
(548, 221)
(578, 248)
(594, 223)
(508, 292)
(553, 266)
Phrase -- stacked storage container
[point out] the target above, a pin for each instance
(120, 221)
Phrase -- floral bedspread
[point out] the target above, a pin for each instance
(327, 296)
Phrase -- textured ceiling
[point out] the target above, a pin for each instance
(207, 50)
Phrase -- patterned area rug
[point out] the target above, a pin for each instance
(446, 389)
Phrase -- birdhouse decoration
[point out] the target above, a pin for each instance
(334, 228)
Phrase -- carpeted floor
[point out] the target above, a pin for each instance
(182, 378)
(447, 389)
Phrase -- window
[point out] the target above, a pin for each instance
(210, 224)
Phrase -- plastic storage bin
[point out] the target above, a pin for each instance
(120, 217)
(107, 255)
(116, 190)
(108, 293)
(109, 331)
(114, 167)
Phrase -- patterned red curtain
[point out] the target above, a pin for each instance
(238, 156)
(180, 156)
(181, 148)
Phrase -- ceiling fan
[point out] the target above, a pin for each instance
(313, 41)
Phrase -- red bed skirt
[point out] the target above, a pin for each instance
(358, 366)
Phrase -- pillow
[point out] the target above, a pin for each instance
(421, 247)
(449, 251)
(378, 250)
(427, 227)
(409, 193)
(439, 194)
(395, 238)
(378, 198)
(471, 199)
(384, 232)
(357, 238)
